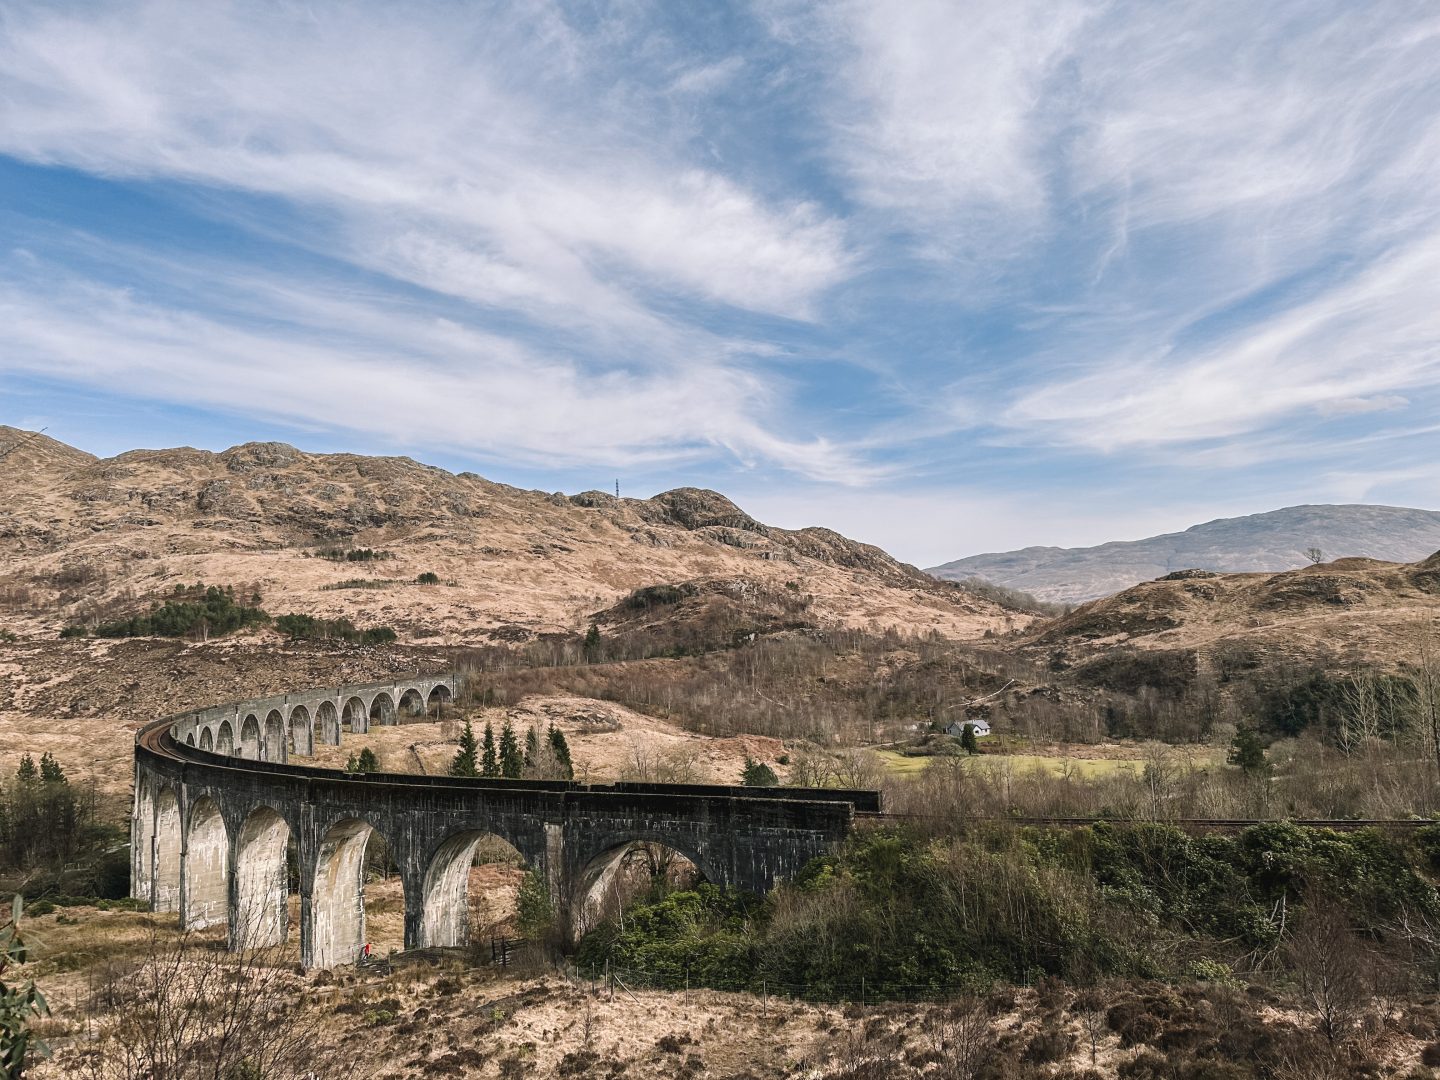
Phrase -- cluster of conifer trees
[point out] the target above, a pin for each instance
(41, 820)
(549, 759)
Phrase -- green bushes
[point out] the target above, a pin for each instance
(910, 915)
(1369, 704)
(213, 611)
(758, 774)
(428, 578)
(310, 628)
(203, 611)
(657, 595)
(353, 555)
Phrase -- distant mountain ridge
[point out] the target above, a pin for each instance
(1269, 542)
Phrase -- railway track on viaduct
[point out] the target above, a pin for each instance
(225, 809)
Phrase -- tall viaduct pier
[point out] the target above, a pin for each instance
(219, 798)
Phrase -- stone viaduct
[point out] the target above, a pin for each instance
(219, 801)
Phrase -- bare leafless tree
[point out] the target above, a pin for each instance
(647, 765)
(1427, 687)
(189, 1011)
(963, 1038)
(1332, 965)
(1089, 1008)
(862, 769)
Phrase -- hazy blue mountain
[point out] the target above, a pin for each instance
(1274, 541)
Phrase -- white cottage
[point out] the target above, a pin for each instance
(957, 727)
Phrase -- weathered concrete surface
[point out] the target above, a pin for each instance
(240, 811)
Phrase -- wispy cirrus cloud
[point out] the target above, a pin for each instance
(1032, 245)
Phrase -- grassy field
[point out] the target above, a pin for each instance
(1077, 762)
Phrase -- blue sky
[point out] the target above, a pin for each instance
(948, 277)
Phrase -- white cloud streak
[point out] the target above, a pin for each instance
(465, 389)
(1204, 226)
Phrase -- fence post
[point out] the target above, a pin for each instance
(862, 991)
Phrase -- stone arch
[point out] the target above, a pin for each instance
(439, 696)
(207, 866)
(273, 748)
(262, 884)
(382, 709)
(190, 739)
(326, 729)
(168, 843)
(225, 738)
(298, 737)
(249, 737)
(412, 703)
(445, 908)
(207, 740)
(355, 716)
(337, 897)
(598, 873)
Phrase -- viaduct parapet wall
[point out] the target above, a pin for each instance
(219, 798)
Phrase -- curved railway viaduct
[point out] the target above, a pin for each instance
(219, 800)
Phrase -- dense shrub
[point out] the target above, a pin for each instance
(353, 554)
(310, 628)
(1292, 702)
(907, 915)
(197, 610)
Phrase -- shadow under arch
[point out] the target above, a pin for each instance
(274, 746)
(326, 728)
(411, 703)
(207, 866)
(262, 914)
(207, 740)
(354, 716)
(299, 740)
(382, 709)
(250, 737)
(440, 695)
(627, 868)
(445, 896)
(225, 738)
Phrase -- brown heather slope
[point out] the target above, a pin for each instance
(81, 536)
(84, 539)
(1352, 610)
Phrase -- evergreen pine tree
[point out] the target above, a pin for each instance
(351, 765)
(532, 747)
(489, 763)
(592, 642)
(367, 761)
(1247, 750)
(26, 773)
(50, 771)
(561, 749)
(512, 762)
(758, 774)
(967, 739)
(465, 763)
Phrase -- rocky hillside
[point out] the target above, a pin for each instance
(1350, 611)
(84, 538)
(1269, 542)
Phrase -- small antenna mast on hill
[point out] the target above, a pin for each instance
(18, 443)
(617, 487)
